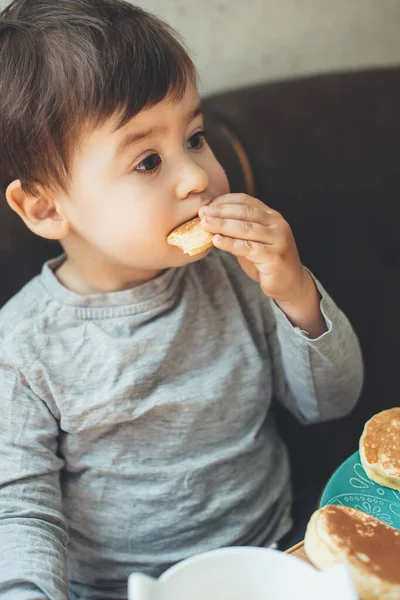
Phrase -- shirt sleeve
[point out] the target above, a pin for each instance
(316, 379)
(33, 538)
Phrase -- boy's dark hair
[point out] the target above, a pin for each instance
(66, 64)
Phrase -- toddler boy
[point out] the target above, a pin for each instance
(136, 383)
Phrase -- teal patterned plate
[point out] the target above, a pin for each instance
(351, 486)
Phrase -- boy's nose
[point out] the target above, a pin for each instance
(192, 179)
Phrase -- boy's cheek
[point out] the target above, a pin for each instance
(223, 186)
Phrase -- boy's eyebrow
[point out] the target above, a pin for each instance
(195, 113)
(132, 138)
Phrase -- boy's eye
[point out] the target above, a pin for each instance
(149, 164)
(197, 141)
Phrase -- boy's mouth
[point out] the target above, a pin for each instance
(187, 220)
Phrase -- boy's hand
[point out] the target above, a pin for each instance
(263, 242)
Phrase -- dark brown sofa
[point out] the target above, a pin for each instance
(325, 151)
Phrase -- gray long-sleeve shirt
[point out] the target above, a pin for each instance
(140, 423)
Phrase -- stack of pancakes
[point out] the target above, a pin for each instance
(380, 449)
(339, 534)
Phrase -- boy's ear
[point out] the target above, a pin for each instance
(39, 212)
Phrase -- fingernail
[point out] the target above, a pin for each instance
(204, 210)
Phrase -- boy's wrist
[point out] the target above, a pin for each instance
(304, 310)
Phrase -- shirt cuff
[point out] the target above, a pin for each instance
(328, 310)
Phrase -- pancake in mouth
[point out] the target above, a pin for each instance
(191, 238)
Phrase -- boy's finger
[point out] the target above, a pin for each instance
(234, 228)
(256, 252)
(240, 199)
(241, 212)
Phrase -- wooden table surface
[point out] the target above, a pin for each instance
(299, 552)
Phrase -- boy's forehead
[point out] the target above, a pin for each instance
(169, 108)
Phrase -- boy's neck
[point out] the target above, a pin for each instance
(85, 278)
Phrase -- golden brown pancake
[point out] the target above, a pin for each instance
(191, 238)
(380, 448)
(339, 534)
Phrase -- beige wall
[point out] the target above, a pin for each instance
(235, 42)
